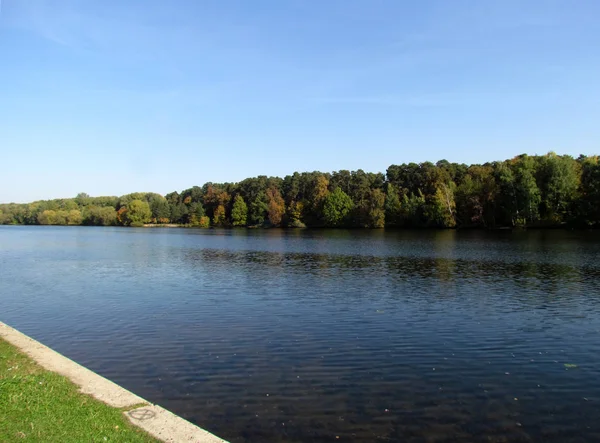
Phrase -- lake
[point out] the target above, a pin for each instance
(320, 336)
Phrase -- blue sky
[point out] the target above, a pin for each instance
(110, 97)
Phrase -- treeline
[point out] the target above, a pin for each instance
(534, 191)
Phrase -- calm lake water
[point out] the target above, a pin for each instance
(321, 336)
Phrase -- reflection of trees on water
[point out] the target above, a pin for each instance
(527, 276)
(359, 332)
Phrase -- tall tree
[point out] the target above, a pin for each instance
(336, 208)
(527, 192)
(195, 213)
(219, 217)
(136, 214)
(376, 209)
(441, 207)
(413, 210)
(160, 210)
(317, 192)
(294, 215)
(239, 212)
(74, 217)
(259, 209)
(392, 206)
(589, 206)
(559, 178)
(47, 217)
(276, 206)
(99, 216)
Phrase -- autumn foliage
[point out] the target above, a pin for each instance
(548, 190)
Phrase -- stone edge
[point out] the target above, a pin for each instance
(158, 422)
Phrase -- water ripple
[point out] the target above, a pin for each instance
(295, 336)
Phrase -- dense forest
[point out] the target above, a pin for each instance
(526, 191)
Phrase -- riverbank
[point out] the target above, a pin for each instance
(44, 396)
(531, 227)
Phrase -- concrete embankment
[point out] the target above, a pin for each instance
(155, 420)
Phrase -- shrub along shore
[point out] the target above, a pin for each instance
(526, 191)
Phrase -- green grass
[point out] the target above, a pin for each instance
(38, 405)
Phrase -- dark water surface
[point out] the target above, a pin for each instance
(321, 336)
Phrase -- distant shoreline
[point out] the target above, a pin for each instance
(166, 225)
(543, 192)
(562, 227)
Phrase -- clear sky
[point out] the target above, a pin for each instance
(110, 97)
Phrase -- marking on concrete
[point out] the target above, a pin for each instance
(155, 420)
(169, 427)
(141, 414)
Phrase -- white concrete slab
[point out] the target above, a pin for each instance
(169, 427)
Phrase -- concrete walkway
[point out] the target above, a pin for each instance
(155, 420)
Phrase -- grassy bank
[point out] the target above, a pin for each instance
(38, 405)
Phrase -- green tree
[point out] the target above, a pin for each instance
(559, 178)
(319, 193)
(589, 190)
(6, 217)
(239, 212)
(124, 200)
(104, 201)
(294, 214)
(475, 197)
(316, 189)
(83, 199)
(61, 217)
(336, 208)
(195, 213)
(376, 209)
(159, 207)
(441, 207)
(179, 213)
(291, 188)
(507, 208)
(28, 215)
(527, 192)
(74, 217)
(259, 209)
(393, 206)
(99, 216)
(47, 217)
(69, 205)
(413, 210)
(138, 212)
